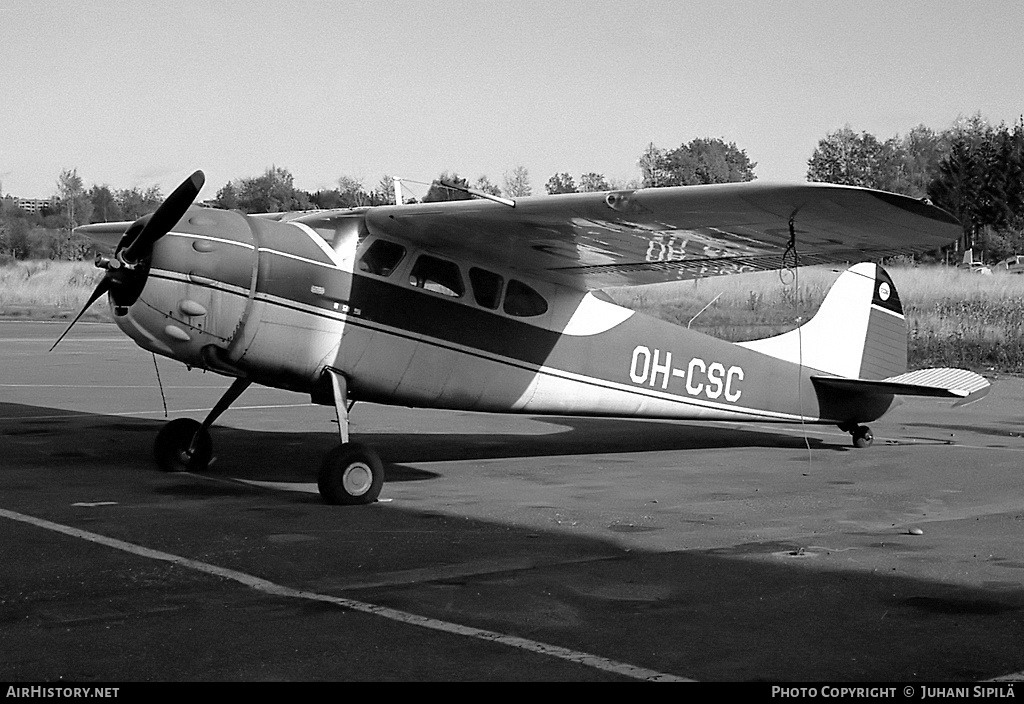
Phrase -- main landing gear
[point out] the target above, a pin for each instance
(350, 474)
(862, 435)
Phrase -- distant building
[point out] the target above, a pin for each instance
(33, 205)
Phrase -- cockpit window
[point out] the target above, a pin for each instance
(381, 258)
(486, 287)
(437, 275)
(522, 301)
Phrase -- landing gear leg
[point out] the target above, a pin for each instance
(862, 435)
(351, 473)
(184, 445)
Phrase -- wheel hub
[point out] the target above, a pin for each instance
(357, 479)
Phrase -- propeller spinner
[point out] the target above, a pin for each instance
(127, 270)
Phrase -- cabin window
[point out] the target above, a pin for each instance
(522, 301)
(437, 275)
(381, 258)
(486, 287)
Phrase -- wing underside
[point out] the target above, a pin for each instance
(593, 240)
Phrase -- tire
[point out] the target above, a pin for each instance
(863, 437)
(171, 447)
(351, 474)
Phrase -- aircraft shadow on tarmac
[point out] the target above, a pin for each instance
(1007, 427)
(757, 610)
(295, 456)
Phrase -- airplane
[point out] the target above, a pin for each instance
(496, 305)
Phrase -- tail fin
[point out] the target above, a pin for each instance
(858, 333)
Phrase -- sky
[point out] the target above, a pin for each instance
(137, 93)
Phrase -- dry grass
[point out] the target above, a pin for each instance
(50, 289)
(743, 307)
(956, 318)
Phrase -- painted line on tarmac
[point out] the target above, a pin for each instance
(112, 339)
(593, 661)
(103, 386)
(127, 414)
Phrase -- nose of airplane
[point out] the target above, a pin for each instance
(127, 270)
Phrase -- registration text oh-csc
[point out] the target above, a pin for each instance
(700, 378)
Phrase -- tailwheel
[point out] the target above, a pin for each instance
(862, 436)
(351, 474)
(183, 445)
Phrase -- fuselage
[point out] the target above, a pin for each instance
(279, 303)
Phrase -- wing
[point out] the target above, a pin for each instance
(592, 240)
(105, 234)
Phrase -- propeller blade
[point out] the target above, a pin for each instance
(132, 233)
(165, 217)
(102, 287)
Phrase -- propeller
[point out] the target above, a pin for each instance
(128, 269)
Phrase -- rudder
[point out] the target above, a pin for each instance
(859, 332)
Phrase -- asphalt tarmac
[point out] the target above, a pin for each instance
(503, 548)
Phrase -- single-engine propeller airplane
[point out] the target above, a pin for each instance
(497, 306)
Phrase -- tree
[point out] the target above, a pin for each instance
(74, 201)
(439, 192)
(385, 191)
(14, 229)
(904, 164)
(700, 161)
(484, 185)
(593, 182)
(560, 183)
(650, 163)
(227, 197)
(105, 207)
(327, 199)
(273, 192)
(981, 182)
(848, 158)
(77, 208)
(135, 203)
(922, 149)
(352, 193)
(623, 184)
(517, 183)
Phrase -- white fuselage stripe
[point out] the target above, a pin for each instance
(191, 236)
(296, 257)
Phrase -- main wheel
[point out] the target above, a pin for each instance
(351, 474)
(862, 436)
(173, 444)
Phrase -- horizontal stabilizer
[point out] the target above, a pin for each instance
(942, 382)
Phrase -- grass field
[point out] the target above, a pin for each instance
(47, 290)
(956, 318)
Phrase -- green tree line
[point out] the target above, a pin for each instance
(973, 169)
